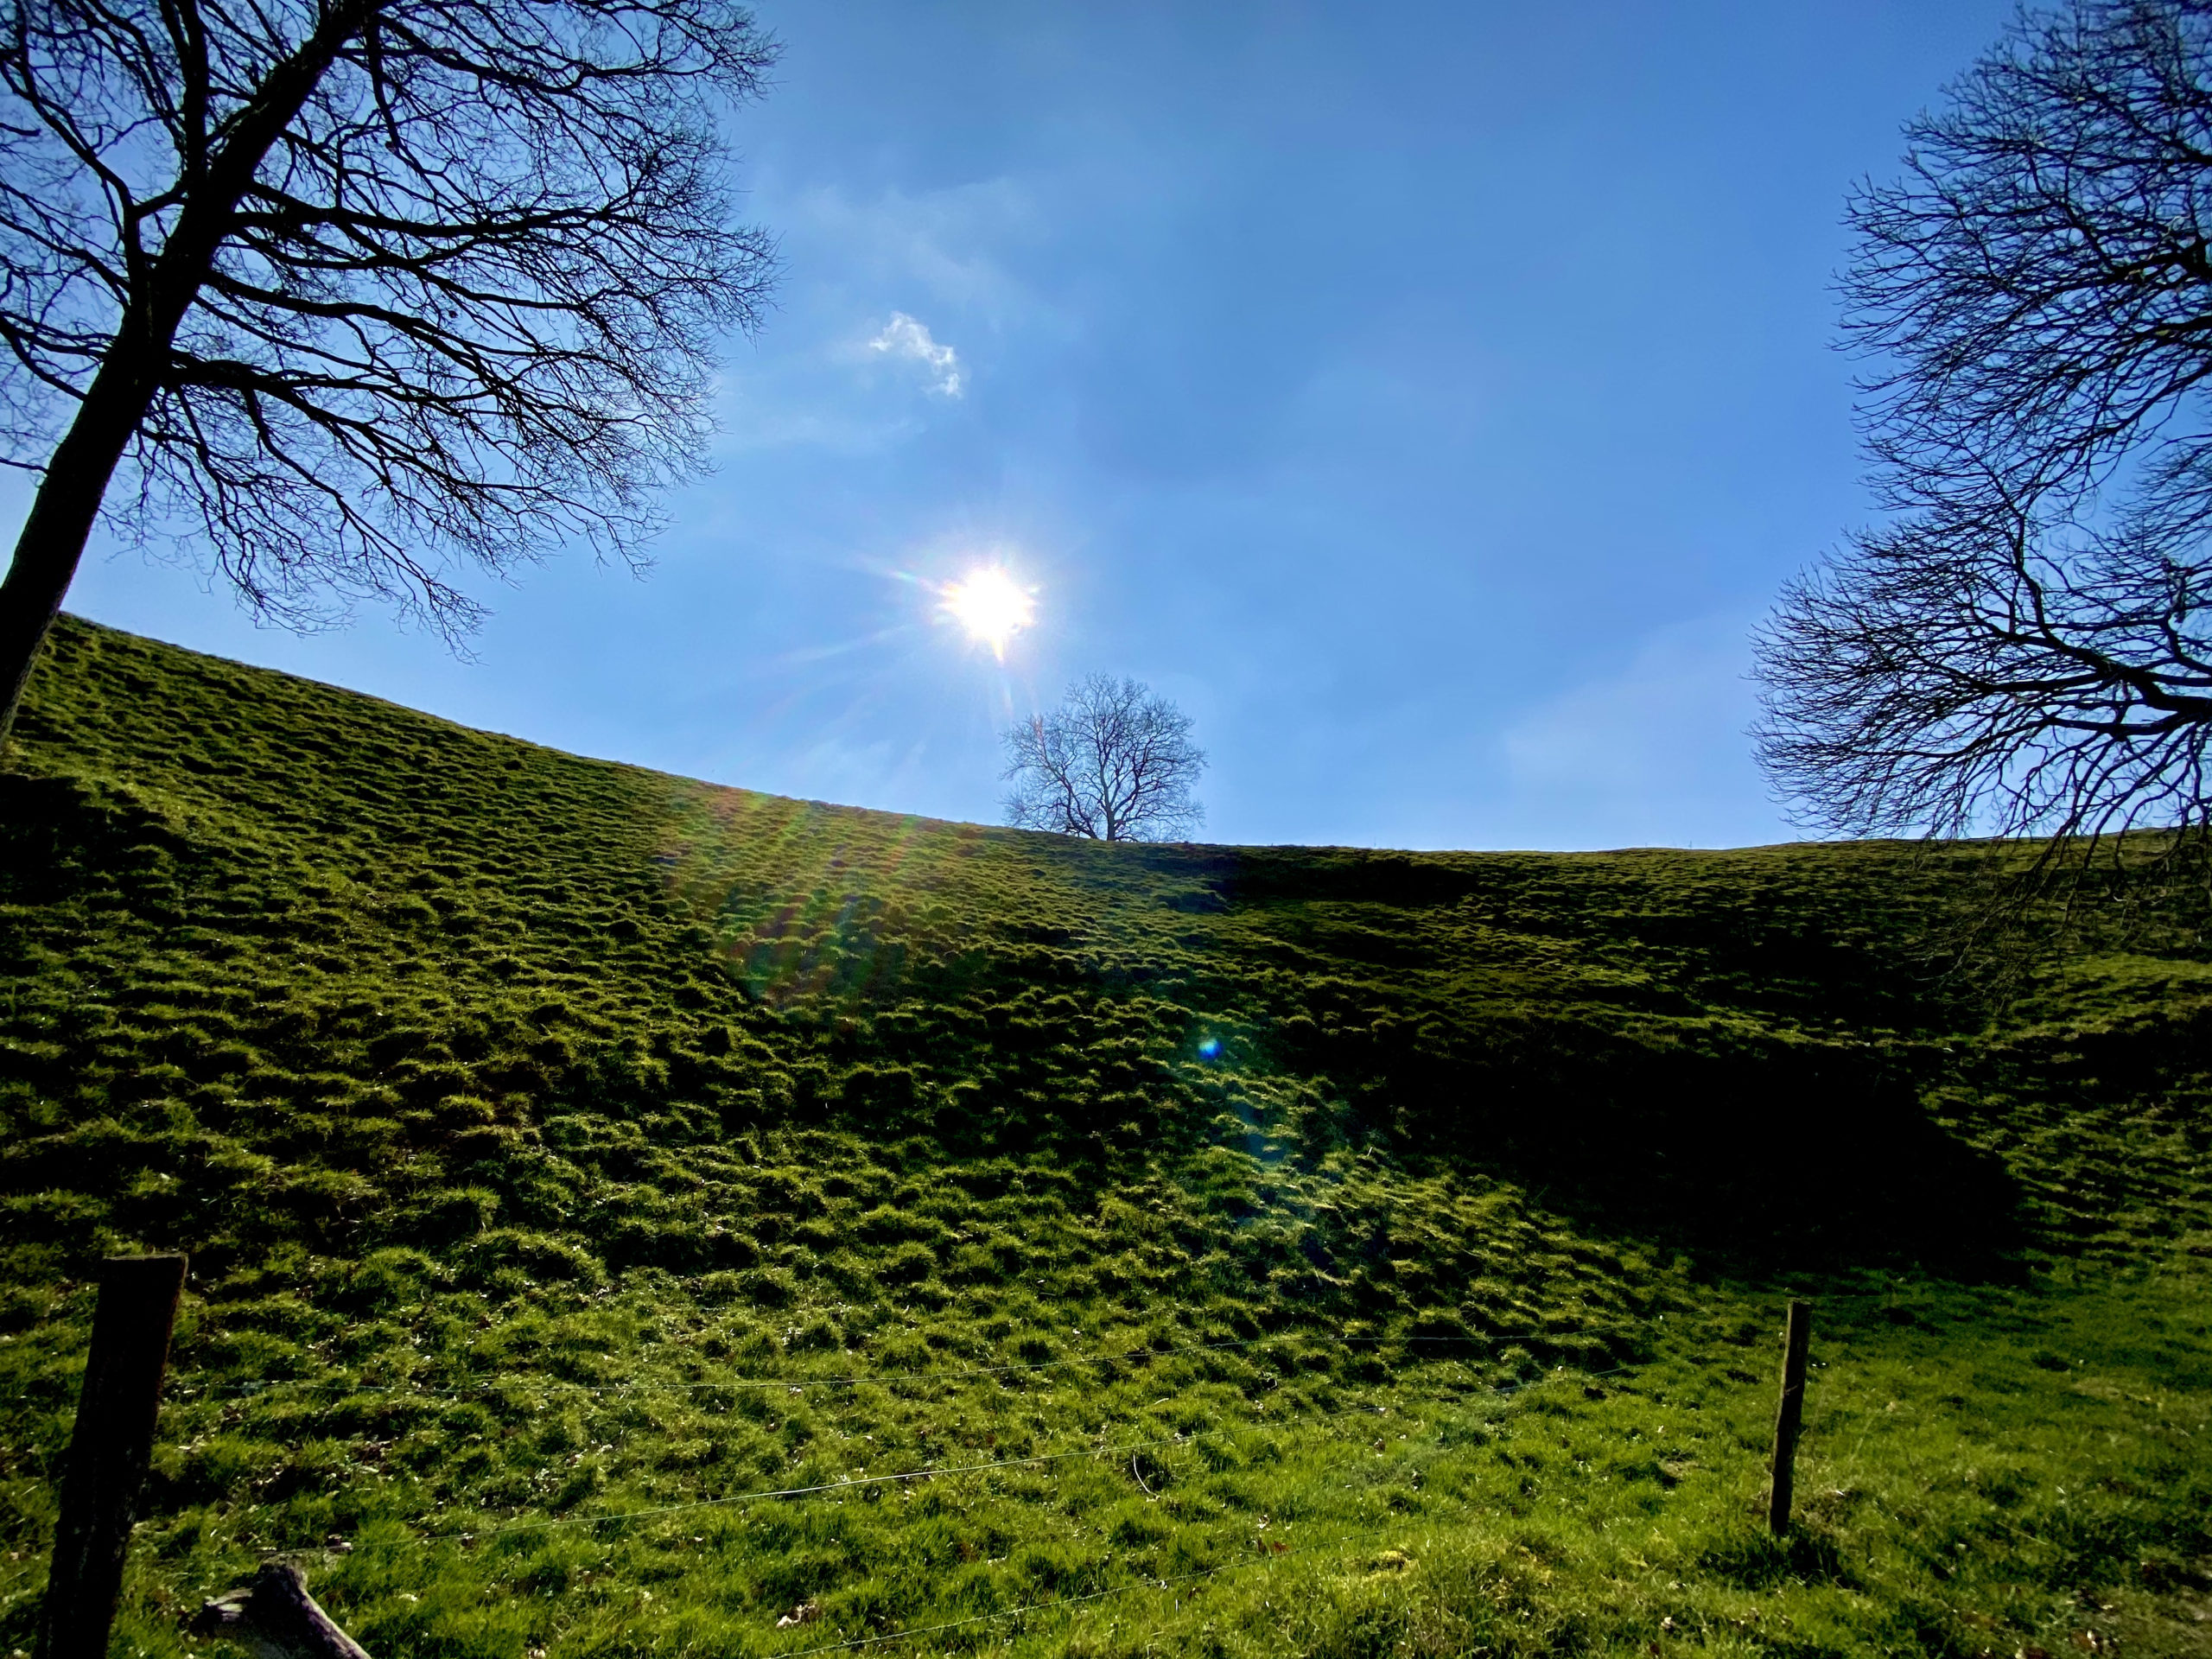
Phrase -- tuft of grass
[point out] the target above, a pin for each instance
(599, 1187)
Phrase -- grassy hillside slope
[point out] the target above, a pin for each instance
(1281, 1250)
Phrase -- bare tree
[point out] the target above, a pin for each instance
(2023, 647)
(1112, 762)
(345, 295)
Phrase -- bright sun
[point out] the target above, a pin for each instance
(989, 605)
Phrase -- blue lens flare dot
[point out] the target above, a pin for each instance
(1209, 1049)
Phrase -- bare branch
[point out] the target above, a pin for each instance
(2023, 649)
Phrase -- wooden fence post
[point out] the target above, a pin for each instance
(1789, 1416)
(110, 1448)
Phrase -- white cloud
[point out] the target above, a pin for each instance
(907, 338)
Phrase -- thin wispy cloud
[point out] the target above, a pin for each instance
(905, 337)
(1650, 753)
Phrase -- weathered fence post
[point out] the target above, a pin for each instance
(110, 1448)
(1789, 1414)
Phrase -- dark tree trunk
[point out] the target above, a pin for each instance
(60, 521)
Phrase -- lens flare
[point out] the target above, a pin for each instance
(990, 606)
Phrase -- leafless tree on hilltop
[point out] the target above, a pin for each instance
(1113, 762)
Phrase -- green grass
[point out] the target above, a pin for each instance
(1277, 1250)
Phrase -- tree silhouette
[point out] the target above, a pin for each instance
(345, 295)
(2023, 647)
(1112, 762)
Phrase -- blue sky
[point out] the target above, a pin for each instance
(1429, 398)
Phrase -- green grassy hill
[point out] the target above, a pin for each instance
(1275, 1251)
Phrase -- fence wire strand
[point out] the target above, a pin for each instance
(278, 1386)
(478, 1535)
(1062, 1601)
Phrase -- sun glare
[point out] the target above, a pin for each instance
(990, 606)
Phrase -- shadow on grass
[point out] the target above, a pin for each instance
(1756, 1560)
(1763, 1157)
(1621, 1099)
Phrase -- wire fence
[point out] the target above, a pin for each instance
(1269, 1556)
(280, 1387)
(936, 1471)
(1412, 1362)
(1060, 1603)
(1394, 1366)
